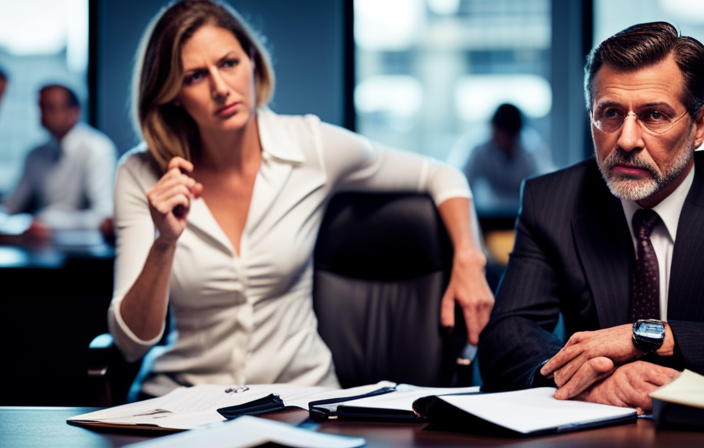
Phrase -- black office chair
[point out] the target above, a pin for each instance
(382, 262)
(381, 265)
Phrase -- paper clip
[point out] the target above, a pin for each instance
(236, 390)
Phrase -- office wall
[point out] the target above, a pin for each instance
(305, 37)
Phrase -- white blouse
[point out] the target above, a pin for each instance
(248, 317)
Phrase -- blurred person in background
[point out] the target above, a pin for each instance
(67, 182)
(3, 83)
(496, 168)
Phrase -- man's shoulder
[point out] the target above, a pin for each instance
(573, 176)
(48, 148)
(699, 157)
(87, 136)
(566, 192)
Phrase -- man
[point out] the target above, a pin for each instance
(67, 182)
(3, 83)
(496, 168)
(585, 249)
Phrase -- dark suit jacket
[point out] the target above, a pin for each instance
(574, 255)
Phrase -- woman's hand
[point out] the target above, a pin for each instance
(468, 287)
(170, 199)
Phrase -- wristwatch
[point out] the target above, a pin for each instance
(648, 334)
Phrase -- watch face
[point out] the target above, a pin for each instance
(651, 330)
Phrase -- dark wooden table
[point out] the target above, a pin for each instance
(22, 427)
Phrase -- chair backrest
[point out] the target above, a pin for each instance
(382, 263)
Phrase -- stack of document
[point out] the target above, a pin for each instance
(188, 408)
(680, 404)
(527, 412)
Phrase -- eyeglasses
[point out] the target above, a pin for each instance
(610, 120)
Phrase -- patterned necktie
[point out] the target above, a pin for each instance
(646, 282)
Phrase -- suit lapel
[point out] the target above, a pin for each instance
(605, 248)
(686, 281)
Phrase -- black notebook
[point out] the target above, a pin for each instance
(386, 403)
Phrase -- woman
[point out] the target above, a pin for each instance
(235, 195)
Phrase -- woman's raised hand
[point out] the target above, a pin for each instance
(170, 199)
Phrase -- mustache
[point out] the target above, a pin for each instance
(620, 157)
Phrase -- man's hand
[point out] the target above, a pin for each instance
(568, 364)
(469, 288)
(588, 374)
(629, 386)
(38, 233)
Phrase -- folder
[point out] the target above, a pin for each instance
(529, 412)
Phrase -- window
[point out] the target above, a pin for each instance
(431, 73)
(611, 17)
(41, 42)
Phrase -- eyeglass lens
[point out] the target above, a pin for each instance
(610, 120)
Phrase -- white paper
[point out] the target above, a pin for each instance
(531, 410)
(190, 407)
(73, 238)
(404, 396)
(14, 224)
(184, 408)
(687, 389)
(249, 432)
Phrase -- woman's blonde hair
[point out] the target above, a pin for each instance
(168, 130)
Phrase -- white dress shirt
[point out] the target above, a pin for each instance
(664, 233)
(247, 317)
(70, 181)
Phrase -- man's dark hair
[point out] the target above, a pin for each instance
(645, 44)
(71, 97)
(508, 118)
(3, 75)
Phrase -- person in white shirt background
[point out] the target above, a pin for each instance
(217, 212)
(496, 167)
(3, 83)
(67, 182)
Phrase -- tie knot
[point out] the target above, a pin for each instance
(643, 222)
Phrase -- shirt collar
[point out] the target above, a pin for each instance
(276, 140)
(668, 209)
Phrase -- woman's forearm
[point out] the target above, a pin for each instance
(457, 217)
(468, 286)
(143, 309)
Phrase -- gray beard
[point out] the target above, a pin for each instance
(631, 189)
